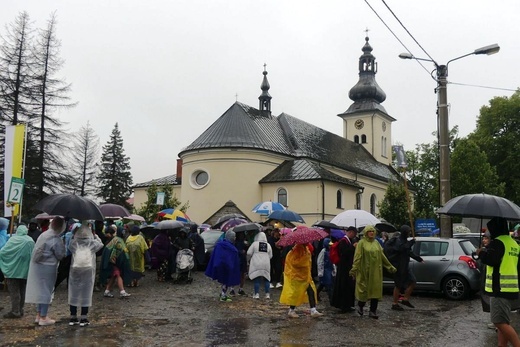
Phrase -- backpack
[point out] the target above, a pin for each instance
(334, 253)
(390, 252)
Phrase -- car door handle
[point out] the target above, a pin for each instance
(444, 259)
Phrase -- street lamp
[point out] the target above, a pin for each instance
(443, 129)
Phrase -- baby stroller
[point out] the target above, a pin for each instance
(185, 263)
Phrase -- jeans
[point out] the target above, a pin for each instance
(256, 282)
(43, 309)
(74, 311)
(373, 304)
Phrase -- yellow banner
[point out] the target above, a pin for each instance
(14, 144)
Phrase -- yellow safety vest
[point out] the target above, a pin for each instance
(508, 267)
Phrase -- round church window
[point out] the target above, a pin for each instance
(199, 179)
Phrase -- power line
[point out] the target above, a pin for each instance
(397, 38)
(409, 33)
(481, 86)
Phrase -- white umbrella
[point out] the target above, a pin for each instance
(355, 218)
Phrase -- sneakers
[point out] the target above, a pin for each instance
(279, 285)
(124, 294)
(107, 294)
(232, 292)
(373, 315)
(407, 303)
(46, 321)
(491, 326)
(359, 310)
(84, 322)
(271, 286)
(396, 307)
(256, 296)
(73, 321)
(315, 314)
(241, 292)
(37, 319)
(267, 296)
(292, 314)
(225, 298)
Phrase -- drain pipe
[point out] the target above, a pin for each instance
(322, 200)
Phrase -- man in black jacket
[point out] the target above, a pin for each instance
(399, 254)
(501, 258)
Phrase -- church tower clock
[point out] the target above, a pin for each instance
(366, 121)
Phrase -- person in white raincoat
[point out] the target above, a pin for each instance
(43, 269)
(259, 256)
(83, 246)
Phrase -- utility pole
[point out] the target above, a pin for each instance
(443, 133)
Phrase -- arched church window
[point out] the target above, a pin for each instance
(373, 201)
(363, 138)
(356, 138)
(282, 196)
(339, 199)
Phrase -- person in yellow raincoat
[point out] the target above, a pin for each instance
(367, 269)
(298, 287)
(137, 248)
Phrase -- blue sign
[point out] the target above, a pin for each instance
(430, 224)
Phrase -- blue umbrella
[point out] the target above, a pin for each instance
(267, 207)
(287, 216)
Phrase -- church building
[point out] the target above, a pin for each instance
(248, 155)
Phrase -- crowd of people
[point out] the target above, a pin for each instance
(348, 268)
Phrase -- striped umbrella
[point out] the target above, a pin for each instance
(230, 223)
(267, 207)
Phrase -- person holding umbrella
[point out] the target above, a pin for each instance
(501, 258)
(298, 285)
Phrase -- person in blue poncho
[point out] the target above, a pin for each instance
(224, 264)
(4, 223)
(15, 258)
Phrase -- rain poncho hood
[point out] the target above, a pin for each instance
(15, 256)
(497, 226)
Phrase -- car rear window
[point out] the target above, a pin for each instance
(431, 248)
(467, 247)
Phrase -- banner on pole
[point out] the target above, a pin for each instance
(13, 161)
(400, 156)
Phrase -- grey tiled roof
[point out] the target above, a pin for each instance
(167, 180)
(242, 126)
(304, 170)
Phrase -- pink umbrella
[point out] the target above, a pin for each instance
(301, 235)
(285, 231)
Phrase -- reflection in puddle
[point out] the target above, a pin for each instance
(227, 331)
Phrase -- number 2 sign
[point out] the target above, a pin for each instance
(16, 190)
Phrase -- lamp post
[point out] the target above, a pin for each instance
(444, 130)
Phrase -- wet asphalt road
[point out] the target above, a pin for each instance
(164, 314)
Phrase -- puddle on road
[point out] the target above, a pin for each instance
(227, 331)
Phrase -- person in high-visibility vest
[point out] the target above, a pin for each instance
(501, 258)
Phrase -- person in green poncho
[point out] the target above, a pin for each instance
(15, 258)
(367, 269)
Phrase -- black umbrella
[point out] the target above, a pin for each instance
(247, 227)
(114, 210)
(481, 206)
(149, 231)
(70, 205)
(386, 227)
(227, 217)
(326, 224)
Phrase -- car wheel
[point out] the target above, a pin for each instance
(455, 288)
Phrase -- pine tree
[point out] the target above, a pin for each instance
(84, 162)
(115, 177)
(50, 94)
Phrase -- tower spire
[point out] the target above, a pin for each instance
(265, 98)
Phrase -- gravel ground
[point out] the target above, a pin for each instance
(164, 314)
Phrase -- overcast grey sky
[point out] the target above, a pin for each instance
(165, 70)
